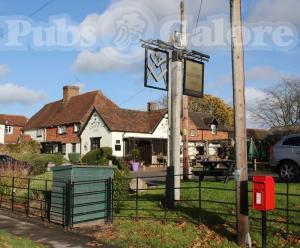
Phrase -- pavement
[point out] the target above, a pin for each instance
(43, 232)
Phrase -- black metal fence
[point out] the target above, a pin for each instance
(210, 202)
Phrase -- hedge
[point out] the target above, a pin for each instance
(39, 161)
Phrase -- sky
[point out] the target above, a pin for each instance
(46, 44)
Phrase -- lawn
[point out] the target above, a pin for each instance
(217, 213)
(10, 241)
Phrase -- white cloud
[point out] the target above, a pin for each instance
(276, 11)
(12, 94)
(252, 95)
(4, 70)
(145, 18)
(263, 73)
(106, 59)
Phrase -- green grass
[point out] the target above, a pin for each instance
(150, 205)
(10, 241)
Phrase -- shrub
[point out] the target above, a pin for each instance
(98, 157)
(135, 153)
(74, 157)
(121, 186)
(106, 151)
(39, 161)
(93, 157)
(21, 148)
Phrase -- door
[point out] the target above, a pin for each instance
(145, 151)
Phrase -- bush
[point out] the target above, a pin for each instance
(39, 161)
(98, 157)
(121, 186)
(23, 148)
(93, 157)
(74, 157)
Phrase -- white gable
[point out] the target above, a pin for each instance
(2, 130)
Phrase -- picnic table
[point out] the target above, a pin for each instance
(215, 168)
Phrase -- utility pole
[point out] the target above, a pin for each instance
(185, 101)
(240, 123)
(174, 171)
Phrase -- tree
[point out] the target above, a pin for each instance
(208, 104)
(281, 106)
(213, 105)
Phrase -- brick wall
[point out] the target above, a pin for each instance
(12, 138)
(205, 134)
(69, 137)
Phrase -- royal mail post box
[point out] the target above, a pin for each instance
(263, 196)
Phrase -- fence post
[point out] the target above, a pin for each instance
(136, 197)
(68, 199)
(109, 199)
(28, 194)
(63, 206)
(199, 200)
(12, 194)
(287, 212)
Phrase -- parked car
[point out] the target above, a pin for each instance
(285, 157)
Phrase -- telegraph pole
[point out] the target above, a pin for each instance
(240, 123)
(185, 101)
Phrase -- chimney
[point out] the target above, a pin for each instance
(70, 91)
(152, 106)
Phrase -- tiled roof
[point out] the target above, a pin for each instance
(13, 120)
(76, 110)
(203, 121)
(124, 120)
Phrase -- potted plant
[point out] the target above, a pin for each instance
(135, 154)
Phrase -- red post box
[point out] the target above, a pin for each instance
(263, 195)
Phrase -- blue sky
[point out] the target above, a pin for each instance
(35, 76)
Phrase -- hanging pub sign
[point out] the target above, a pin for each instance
(193, 78)
(156, 68)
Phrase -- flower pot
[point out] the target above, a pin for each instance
(135, 166)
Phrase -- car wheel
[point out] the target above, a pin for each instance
(288, 171)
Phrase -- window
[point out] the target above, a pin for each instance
(39, 133)
(193, 132)
(9, 130)
(95, 143)
(213, 128)
(74, 147)
(63, 149)
(76, 128)
(62, 129)
(294, 141)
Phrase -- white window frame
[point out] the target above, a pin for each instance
(213, 129)
(62, 129)
(76, 128)
(39, 133)
(192, 132)
(9, 129)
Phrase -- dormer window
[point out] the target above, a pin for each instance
(213, 129)
(62, 129)
(76, 128)
(9, 130)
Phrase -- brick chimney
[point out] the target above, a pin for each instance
(152, 106)
(70, 91)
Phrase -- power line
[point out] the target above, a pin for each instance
(30, 15)
(199, 13)
(134, 95)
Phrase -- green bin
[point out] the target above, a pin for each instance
(81, 194)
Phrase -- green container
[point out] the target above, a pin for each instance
(81, 194)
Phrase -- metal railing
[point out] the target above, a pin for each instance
(209, 202)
